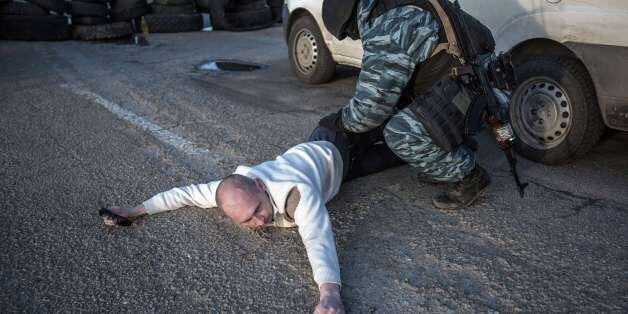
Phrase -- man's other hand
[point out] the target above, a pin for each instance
(123, 216)
(329, 300)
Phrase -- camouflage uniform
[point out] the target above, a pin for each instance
(394, 43)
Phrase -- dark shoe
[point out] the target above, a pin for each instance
(462, 193)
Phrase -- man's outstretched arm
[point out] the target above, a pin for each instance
(312, 218)
(199, 195)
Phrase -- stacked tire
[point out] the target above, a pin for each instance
(127, 10)
(173, 16)
(34, 20)
(90, 21)
(204, 6)
(246, 15)
(275, 8)
(216, 10)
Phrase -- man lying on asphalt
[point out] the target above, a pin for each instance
(286, 192)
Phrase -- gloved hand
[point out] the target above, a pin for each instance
(333, 122)
(357, 142)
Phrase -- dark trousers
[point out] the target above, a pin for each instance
(362, 154)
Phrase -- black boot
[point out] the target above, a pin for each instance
(462, 193)
(428, 180)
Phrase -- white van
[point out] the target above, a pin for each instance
(571, 58)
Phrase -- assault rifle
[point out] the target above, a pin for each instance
(500, 74)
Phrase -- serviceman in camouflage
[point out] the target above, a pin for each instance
(395, 43)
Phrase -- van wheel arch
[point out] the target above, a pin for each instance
(294, 16)
(539, 47)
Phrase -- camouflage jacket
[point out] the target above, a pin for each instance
(394, 43)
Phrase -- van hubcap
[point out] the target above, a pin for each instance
(542, 113)
(306, 51)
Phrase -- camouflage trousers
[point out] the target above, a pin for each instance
(394, 44)
(408, 139)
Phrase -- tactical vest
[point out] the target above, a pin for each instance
(340, 19)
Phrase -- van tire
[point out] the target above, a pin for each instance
(312, 63)
(554, 110)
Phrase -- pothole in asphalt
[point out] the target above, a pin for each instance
(229, 66)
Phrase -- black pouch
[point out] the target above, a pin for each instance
(442, 119)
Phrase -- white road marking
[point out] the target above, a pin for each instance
(169, 138)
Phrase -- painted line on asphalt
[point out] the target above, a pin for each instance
(169, 138)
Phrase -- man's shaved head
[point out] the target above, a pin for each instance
(232, 182)
(244, 200)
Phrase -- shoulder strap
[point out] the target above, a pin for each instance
(448, 44)
(451, 46)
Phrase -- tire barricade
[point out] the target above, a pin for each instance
(54, 20)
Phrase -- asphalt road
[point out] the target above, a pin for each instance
(84, 125)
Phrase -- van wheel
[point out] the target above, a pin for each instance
(554, 110)
(309, 57)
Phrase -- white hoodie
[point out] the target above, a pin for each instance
(315, 169)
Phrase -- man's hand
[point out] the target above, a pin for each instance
(329, 300)
(123, 216)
